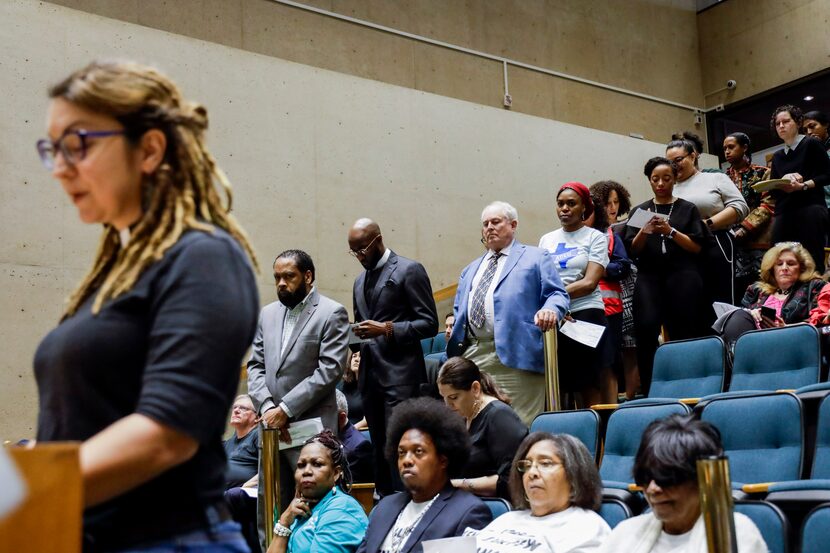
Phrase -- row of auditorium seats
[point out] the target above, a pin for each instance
(434, 347)
(771, 359)
(778, 444)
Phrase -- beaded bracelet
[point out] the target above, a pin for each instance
(282, 531)
(389, 330)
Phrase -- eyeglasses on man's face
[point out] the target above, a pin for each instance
(241, 408)
(362, 252)
(73, 145)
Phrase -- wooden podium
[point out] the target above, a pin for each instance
(49, 520)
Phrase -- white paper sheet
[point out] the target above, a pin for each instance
(640, 217)
(252, 492)
(722, 308)
(582, 332)
(460, 544)
(11, 483)
(300, 431)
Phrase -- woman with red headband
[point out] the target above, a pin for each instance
(581, 255)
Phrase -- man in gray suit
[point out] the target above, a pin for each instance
(299, 352)
(394, 309)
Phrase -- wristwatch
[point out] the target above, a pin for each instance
(804, 186)
(671, 233)
(709, 222)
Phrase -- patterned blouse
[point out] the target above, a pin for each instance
(761, 205)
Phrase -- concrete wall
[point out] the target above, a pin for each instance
(308, 151)
(649, 46)
(761, 44)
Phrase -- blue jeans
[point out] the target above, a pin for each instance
(221, 537)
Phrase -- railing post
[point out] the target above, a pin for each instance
(715, 488)
(552, 397)
(270, 478)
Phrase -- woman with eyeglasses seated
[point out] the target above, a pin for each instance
(721, 206)
(666, 468)
(786, 294)
(494, 427)
(322, 517)
(139, 368)
(669, 288)
(556, 490)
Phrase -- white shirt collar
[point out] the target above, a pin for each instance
(505, 251)
(796, 141)
(124, 235)
(383, 259)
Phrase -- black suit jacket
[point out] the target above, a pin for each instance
(452, 513)
(402, 294)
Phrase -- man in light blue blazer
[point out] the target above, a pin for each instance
(506, 298)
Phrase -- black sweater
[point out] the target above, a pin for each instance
(810, 160)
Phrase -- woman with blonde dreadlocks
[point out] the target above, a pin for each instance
(144, 363)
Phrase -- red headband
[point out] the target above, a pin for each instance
(583, 193)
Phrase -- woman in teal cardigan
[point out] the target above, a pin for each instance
(322, 517)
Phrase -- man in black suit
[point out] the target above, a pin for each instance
(394, 310)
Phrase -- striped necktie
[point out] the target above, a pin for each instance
(477, 309)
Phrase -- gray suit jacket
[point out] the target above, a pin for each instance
(305, 374)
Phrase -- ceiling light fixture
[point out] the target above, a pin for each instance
(809, 98)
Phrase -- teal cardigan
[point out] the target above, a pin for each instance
(337, 525)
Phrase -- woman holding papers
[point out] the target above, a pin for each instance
(720, 205)
(581, 254)
(322, 517)
(144, 364)
(800, 211)
(665, 247)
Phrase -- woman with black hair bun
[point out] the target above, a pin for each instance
(669, 290)
(322, 517)
(752, 235)
(800, 210)
(494, 427)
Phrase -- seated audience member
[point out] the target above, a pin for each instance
(495, 429)
(557, 491)
(789, 284)
(666, 468)
(449, 322)
(434, 363)
(429, 444)
(322, 517)
(350, 389)
(358, 448)
(242, 448)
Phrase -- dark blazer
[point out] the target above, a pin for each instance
(452, 513)
(403, 295)
(359, 452)
(798, 305)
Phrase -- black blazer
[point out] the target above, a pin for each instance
(453, 512)
(403, 295)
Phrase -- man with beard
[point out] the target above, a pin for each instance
(300, 350)
(394, 309)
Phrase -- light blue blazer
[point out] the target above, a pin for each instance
(528, 283)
